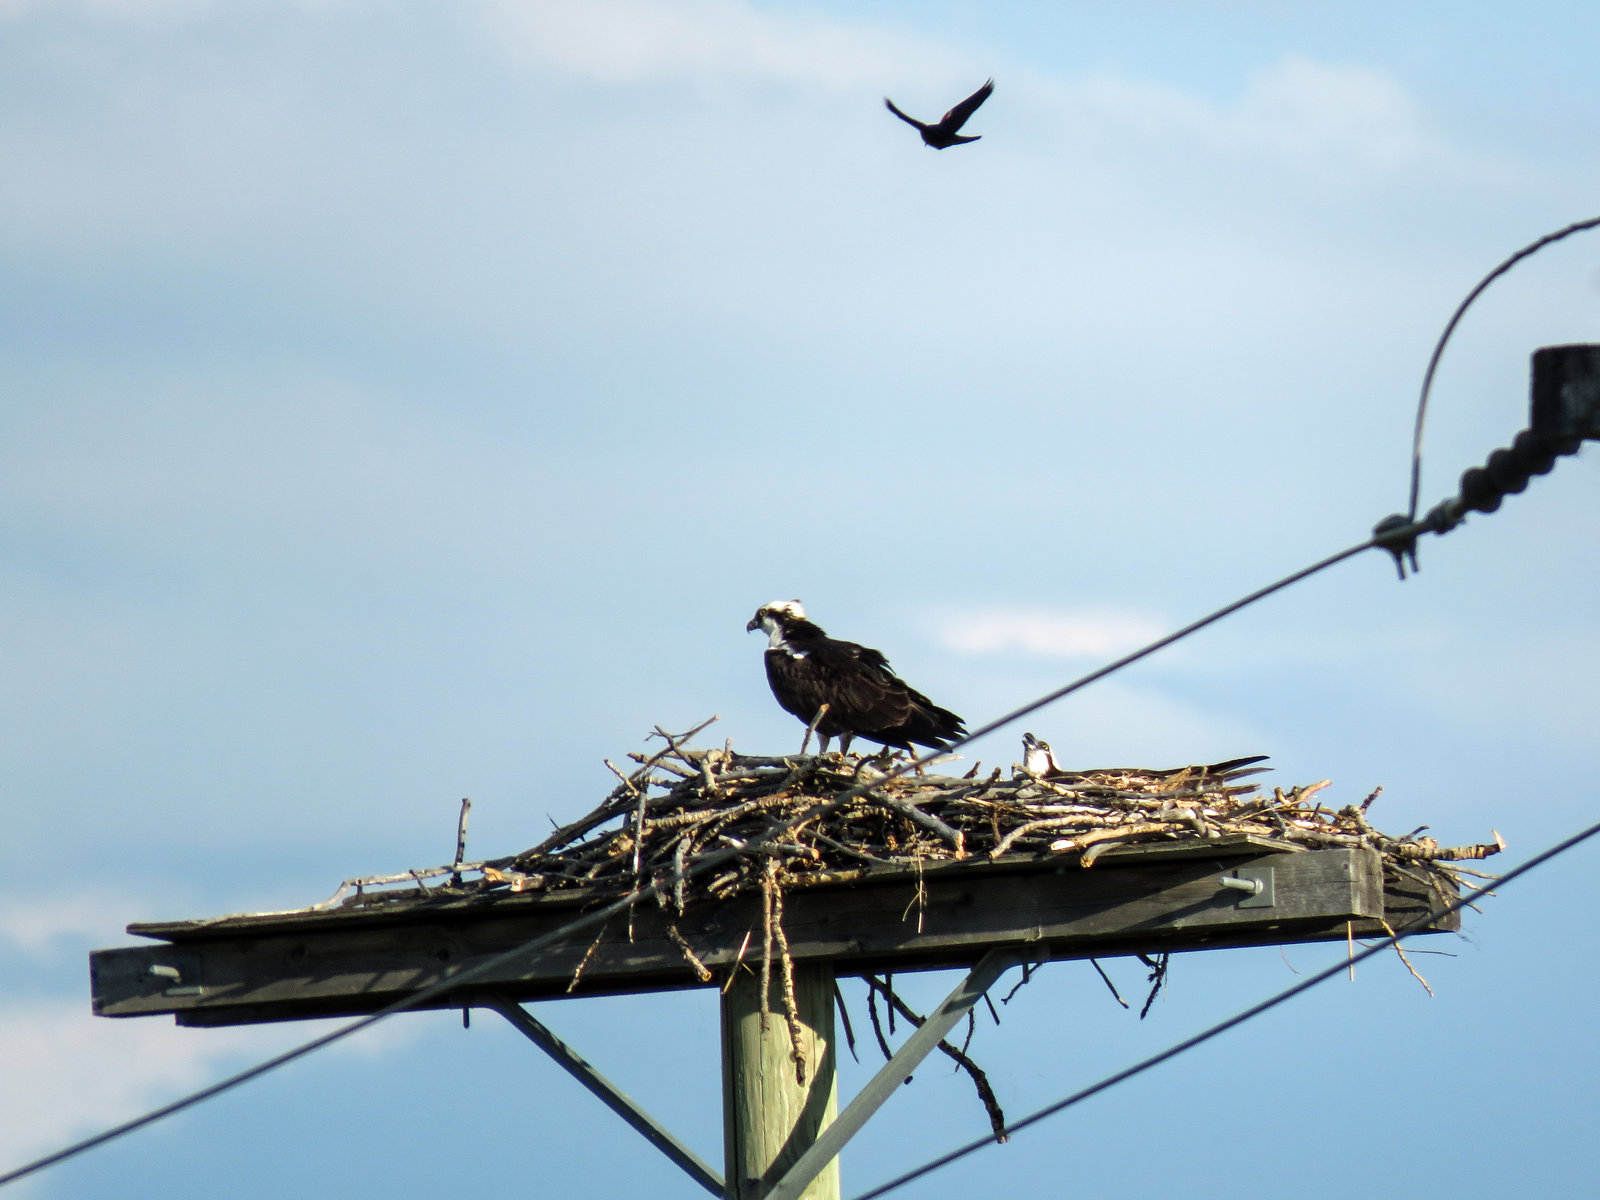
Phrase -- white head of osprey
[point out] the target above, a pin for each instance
(807, 669)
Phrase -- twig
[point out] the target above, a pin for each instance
(769, 874)
(1027, 974)
(910, 811)
(738, 961)
(680, 856)
(972, 1028)
(1158, 979)
(678, 940)
(791, 1009)
(461, 842)
(997, 1117)
(877, 1027)
(1095, 963)
(844, 1019)
(805, 742)
(583, 962)
(1400, 950)
(919, 897)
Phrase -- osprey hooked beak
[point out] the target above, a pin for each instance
(765, 615)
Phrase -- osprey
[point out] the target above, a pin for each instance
(944, 133)
(808, 669)
(1037, 757)
(1040, 761)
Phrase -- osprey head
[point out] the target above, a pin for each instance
(775, 613)
(1036, 756)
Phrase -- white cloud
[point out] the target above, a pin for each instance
(35, 925)
(1316, 112)
(1326, 117)
(1335, 120)
(68, 1073)
(1084, 633)
(134, 10)
(645, 41)
(71, 1073)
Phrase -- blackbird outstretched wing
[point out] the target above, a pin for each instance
(957, 116)
(908, 120)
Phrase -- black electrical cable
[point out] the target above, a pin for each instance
(1240, 1018)
(1438, 350)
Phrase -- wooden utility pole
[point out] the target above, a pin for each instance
(769, 1117)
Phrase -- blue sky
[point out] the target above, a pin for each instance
(404, 402)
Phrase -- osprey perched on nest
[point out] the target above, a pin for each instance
(808, 669)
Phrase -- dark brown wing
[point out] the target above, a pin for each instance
(908, 120)
(883, 707)
(863, 695)
(957, 116)
(864, 692)
(854, 682)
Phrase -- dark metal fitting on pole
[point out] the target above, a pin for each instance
(1398, 536)
(1565, 401)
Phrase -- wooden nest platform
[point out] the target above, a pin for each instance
(740, 862)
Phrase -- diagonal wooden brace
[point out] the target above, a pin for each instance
(906, 1059)
(608, 1094)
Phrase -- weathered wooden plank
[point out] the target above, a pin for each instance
(404, 906)
(323, 967)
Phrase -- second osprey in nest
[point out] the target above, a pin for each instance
(808, 669)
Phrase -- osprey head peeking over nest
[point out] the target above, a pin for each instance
(808, 669)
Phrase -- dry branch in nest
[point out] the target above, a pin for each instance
(980, 1080)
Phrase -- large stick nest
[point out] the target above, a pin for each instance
(679, 803)
(777, 824)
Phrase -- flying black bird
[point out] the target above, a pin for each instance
(807, 669)
(945, 133)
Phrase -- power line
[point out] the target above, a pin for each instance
(1160, 644)
(707, 862)
(1450, 327)
(1240, 1018)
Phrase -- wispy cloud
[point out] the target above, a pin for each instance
(647, 41)
(1055, 633)
(1343, 122)
(84, 1072)
(1339, 120)
(34, 926)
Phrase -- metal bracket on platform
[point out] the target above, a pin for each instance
(905, 1060)
(1256, 882)
(608, 1094)
(178, 985)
